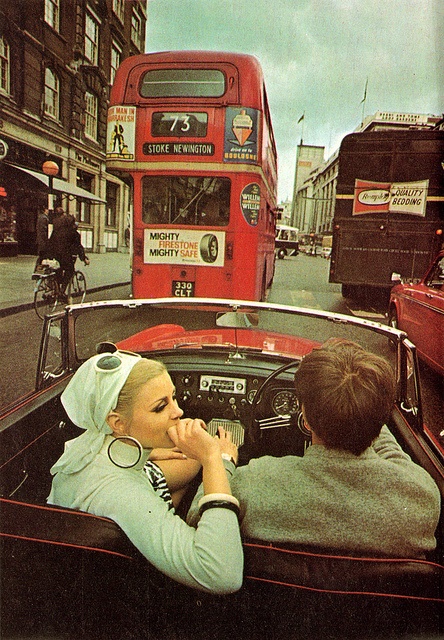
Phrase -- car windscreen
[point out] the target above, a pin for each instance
(160, 327)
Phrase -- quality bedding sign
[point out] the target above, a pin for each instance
(385, 197)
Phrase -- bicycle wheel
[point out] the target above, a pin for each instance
(76, 290)
(45, 296)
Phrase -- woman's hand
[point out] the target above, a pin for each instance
(188, 435)
(186, 421)
(191, 437)
(226, 445)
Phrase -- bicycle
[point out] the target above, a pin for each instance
(48, 293)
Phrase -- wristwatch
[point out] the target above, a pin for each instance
(226, 456)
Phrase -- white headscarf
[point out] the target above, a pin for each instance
(89, 397)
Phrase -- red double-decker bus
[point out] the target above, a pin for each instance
(191, 131)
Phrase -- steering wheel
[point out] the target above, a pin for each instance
(277, 421)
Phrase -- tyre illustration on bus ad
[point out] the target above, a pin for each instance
(209, 248)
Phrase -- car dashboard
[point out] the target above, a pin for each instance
(231, 393)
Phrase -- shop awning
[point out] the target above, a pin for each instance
(60, 185)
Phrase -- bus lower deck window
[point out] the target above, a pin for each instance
(192, 200)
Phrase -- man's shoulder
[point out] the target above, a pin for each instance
(272, 463)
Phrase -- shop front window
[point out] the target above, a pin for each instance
(83, 207)
(111, 204)
(7, 224)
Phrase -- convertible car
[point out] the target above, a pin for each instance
(69, 575)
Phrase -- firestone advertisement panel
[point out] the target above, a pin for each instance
(183, 246)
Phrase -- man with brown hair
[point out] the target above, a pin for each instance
(354, 490)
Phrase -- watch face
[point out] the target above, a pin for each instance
(226, 456)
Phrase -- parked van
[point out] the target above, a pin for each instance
(287, 241)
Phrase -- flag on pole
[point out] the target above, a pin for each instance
(365, 92)
(301, 118)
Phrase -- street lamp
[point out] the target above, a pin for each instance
(50, 169)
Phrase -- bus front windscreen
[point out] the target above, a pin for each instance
(191, 200)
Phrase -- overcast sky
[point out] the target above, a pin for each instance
(317, 56)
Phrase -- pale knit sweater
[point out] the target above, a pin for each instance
(378, 503)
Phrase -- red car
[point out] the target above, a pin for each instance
(418, 309)
(66, 574)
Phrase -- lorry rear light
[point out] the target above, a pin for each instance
(438, 232)
(229, 250)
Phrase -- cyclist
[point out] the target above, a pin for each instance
(65, 245)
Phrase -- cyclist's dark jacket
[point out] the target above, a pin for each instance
(65, 241)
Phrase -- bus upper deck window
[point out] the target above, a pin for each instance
(183, 83)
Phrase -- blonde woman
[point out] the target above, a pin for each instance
(128, 408)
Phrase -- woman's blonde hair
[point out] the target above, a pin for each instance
(142, 372)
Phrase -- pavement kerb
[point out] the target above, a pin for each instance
(9, 311)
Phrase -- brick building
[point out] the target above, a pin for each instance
(57, 63)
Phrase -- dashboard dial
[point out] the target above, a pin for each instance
(285, 403)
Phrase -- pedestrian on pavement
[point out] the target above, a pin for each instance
(42, 235)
